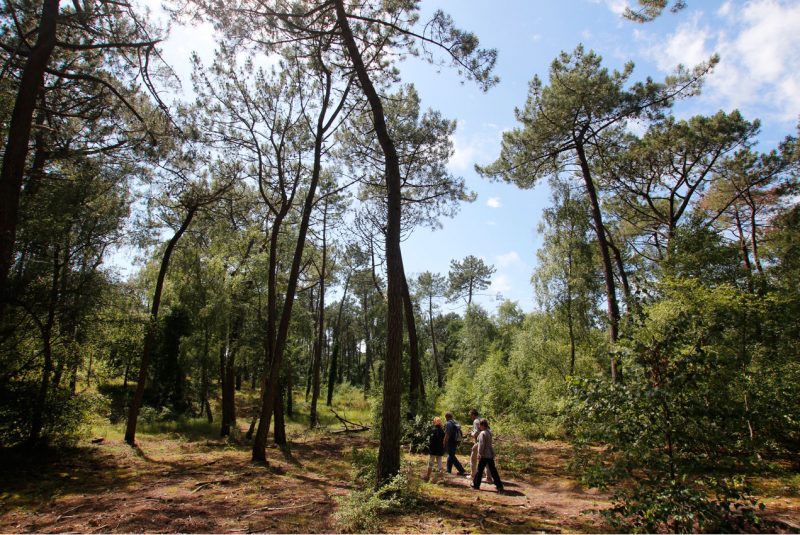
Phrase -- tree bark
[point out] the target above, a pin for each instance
(19, 133)
(436, 363)
(608, 270)
(37, 419)
(367, 346)
(289, 385)
(416, 384)
(315, 372)
(259, 454)
(229, 373)
(332, 373)
(389, 451)
(149, 338)
(280, 424)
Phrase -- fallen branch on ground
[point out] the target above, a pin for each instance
(356, 427)
(204, 484)
(270, 509)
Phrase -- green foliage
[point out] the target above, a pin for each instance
(415, 433)
(460, 395)
(362, 511)
(66, 415)
(681, 507)
(684, 414)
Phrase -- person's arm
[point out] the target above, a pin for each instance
(446, 436)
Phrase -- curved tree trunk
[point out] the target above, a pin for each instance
(389, 452)
(608, 269)
(150, 334)
(19, 134)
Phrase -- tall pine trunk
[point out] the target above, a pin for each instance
(19, 134)
(605, 255)
(316, 368)
(416, 383)
(337, 344)
(389, 451)
(37, 420)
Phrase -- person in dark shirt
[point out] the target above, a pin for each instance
(436, 448)
(452, 432)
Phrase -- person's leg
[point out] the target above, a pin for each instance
(473, 459)
(478, 476)
(430, 467)
(493, 470)
(489, 477)
(457, 464)
(450, 458)
(440, 471)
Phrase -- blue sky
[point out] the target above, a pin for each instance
(759, 73)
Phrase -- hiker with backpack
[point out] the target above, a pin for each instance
(452, 437)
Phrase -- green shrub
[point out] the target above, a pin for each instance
(362, 511)
(415, 433)
(66, 415)
(676, 432)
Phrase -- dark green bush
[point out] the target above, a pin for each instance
(674, 440)
(65, 414)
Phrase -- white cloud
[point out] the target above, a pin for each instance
(758, 44)
(687, 46)
(494, 202)
(505, 260)
(500, 283)
(491, 223)
(616, 6)
(463, 154)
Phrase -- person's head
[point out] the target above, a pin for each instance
(473, 413)
(484, 423)
(448, 416)
(437, 422)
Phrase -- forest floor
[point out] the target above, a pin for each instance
(186, 480)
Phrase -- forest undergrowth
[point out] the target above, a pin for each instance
(182, 477)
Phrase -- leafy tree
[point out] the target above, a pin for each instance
(467, 277)
(567, 124)
(99, 50)
(657, 179)
(683, 417)
(649, 10)
(431, 286)
(565, 279)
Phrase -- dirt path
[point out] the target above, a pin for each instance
(544, 499)
(174, 485)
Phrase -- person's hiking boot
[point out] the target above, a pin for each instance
(501, 488)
